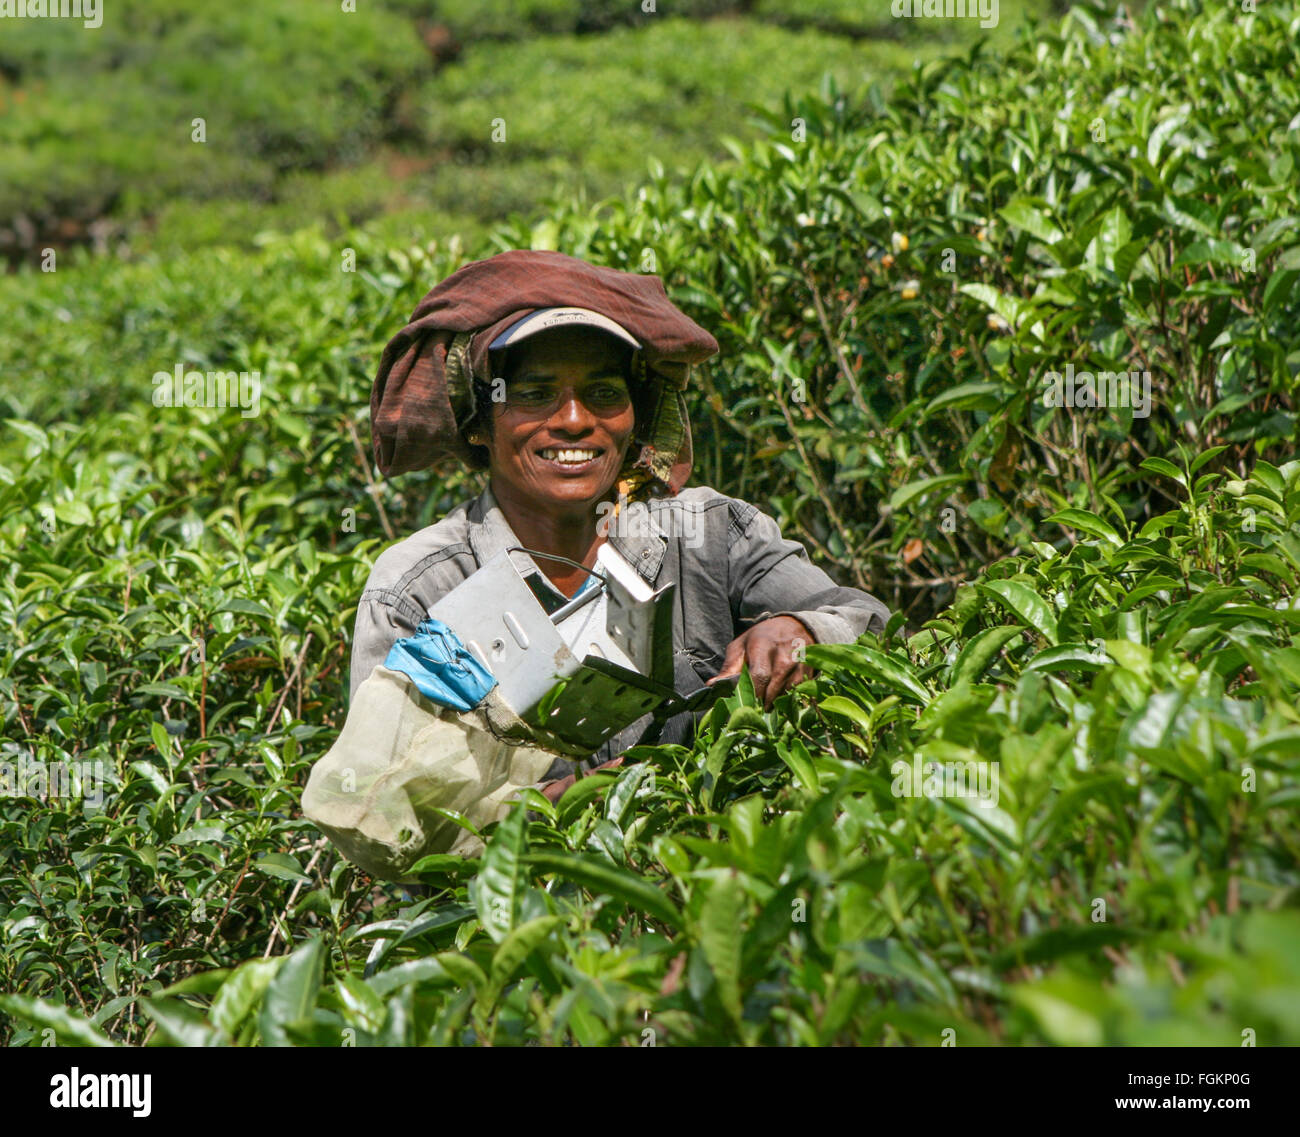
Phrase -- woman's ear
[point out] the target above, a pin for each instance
(503, 362)
(645, 397)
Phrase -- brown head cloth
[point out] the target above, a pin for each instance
(422, 396)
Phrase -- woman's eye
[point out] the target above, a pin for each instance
(604, 394)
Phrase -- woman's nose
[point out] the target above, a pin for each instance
(573, 414)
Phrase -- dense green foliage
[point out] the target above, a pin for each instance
(1125, 206)
(179, 584)
(388, 111)
(1137, 698)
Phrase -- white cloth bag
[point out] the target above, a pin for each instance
(399, 756)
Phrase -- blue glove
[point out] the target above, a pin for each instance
(441, 666)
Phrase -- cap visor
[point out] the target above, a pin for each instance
(545, 319)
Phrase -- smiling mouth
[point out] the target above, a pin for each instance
(571, 456)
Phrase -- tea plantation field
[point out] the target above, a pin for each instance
(1096, 605)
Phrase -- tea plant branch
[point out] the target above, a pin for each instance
(288, 904)
(717, 434)
(284, 694)
(945, 902)
(45, 913)
(914, 601)
(216, 927)
(834, 344)
(917, 438)
(1175, 970)
(673, 976)
(1138, 348)
(370, 481)
(834, 513)
(27, 726)
(813, 406)
(816, 542)
(879, 525)
(203, 710)
(1085, 466)
(930, 582)
(977, 354)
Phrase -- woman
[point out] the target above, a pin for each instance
(564, 381)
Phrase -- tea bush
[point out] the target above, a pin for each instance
(100, 122)
(1130, 699)
(596, 107)
(1105, 622)
(891, 291)
(347, 111)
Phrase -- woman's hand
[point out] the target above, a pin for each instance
(553, 791)
(773, 649)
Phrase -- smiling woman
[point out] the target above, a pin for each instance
(557, 440)
(563, 429)
(564, 382)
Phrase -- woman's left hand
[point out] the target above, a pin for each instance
(773, 650)
(553, 791)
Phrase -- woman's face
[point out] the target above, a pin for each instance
(561, 435)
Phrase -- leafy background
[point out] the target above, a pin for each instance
(1104, 605)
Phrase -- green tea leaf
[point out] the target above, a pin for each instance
(839, 705)
(179, 1024)
(907, 493)
(721, 938)
(1086, 522)
(600, 876)
(241, 993)
(1023, 602)
(517, 947)
(974, 659)
(1165, 468)
(70, 1028)
(499, 881)
(871, 663)
(291, 994)
(1029, 214)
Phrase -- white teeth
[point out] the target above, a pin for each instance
(569, 455)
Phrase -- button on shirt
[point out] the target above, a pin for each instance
(731, 565)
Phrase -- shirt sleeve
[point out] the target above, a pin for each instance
(773, 576)
(380, 624)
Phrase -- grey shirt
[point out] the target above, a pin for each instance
(731, 565)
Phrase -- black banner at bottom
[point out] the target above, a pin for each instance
(230, 1086)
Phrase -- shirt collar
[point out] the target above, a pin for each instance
(635, 535)
(489, 531)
